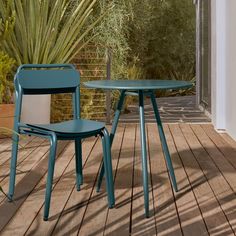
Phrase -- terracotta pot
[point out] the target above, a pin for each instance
(6, 116)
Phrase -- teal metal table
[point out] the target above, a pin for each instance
(141, 88)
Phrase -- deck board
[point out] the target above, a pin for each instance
(216, 218)
(25, 184)
(196, 185)
(71, 218)
(98, 202)
(223, 175)
(205, 168)
(63, 168)
(139, 224)
(118, 221)
(6, 153)
(33, 204)
(26, 148)
(165, 214)
(5, 144)
(26, 167)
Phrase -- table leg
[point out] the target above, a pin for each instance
(144, 153)
(112, 133)
(163, 141)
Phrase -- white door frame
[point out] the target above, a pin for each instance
(218, 63)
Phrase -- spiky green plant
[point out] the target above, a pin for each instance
(44, 32)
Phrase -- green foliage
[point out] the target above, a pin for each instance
(153, 39)
(163, 38)
(158, 36)
(48, 31)
(7, 20)
(6, 64)
(112, 33)
(135, 72)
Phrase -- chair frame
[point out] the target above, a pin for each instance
(28, 129)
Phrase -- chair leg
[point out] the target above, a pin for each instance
(51, 164)
(112, 134)
(144, 154)
(78, 163)
(13, 166)
(108, 168)
(163, 142)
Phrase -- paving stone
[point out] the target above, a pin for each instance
(180, 109)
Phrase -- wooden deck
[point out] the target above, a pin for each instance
(205, 167)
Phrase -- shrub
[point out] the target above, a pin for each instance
(164, 38)
(6, 64)
(7, 20)
(112, 32)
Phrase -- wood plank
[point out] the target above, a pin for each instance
(5, 144)
(71, 218)
(228, 139)
(27, 148)
(191, 218)
(140, 224)
(118, 220)
(2, 140)
(216, 155)
(26, 185)
(34, 202)
(5, 155)
(204, 167)
(96, 213)
(166, 215)
(213, 213)
(24, 168)
(64, 180)
(228, 151)
(224, 190)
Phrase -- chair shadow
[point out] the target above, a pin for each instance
(126, 170)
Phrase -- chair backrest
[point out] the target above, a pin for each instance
(47, 79)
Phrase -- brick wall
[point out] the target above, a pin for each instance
(91, 63)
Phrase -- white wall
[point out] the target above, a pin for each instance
(218, 63)
(231, 67)
(224, 65)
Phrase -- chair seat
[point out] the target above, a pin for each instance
(72, 128)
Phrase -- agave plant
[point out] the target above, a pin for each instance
(48, 31)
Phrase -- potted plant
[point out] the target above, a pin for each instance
(6, 91)
(6, 66)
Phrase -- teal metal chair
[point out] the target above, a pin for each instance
(53, 79)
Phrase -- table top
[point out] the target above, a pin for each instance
(138, 84)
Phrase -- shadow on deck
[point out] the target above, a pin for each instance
(204, 163)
